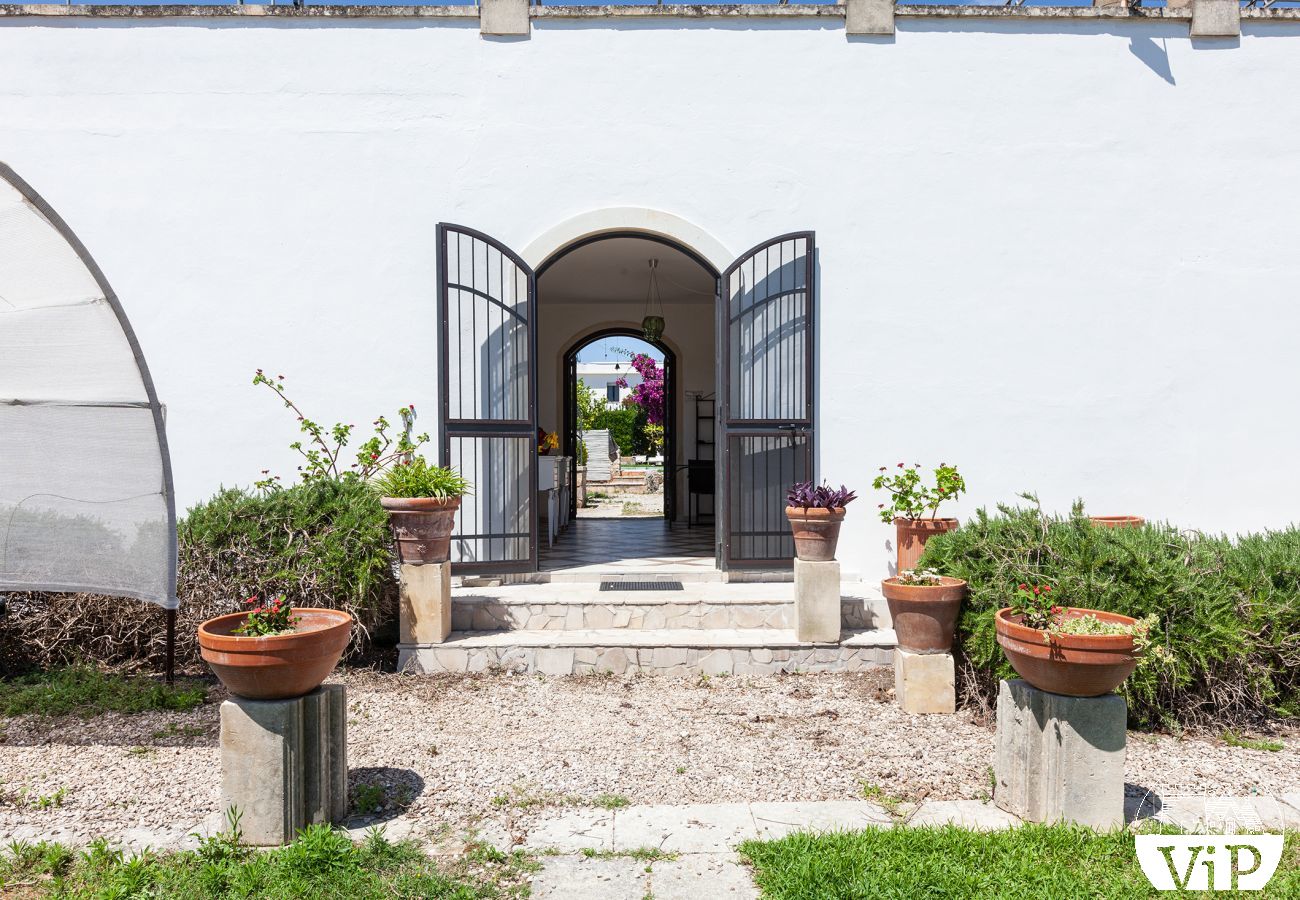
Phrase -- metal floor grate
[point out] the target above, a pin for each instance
(641, 586)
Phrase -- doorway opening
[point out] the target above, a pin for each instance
(628, 403)
(744, 345)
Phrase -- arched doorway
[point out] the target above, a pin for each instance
(751, 330)
(595, 289)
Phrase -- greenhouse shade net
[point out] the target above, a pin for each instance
(86, 500)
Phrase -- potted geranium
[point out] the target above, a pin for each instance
(913, 507)
(816, 513)
(924, 607)
(422, 501)
(1068, 650)
(274, 651)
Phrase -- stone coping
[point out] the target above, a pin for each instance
(672, 11)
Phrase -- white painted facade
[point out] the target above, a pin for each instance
(601, 380)
(1055, 252)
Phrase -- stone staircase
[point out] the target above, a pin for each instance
(709, 628)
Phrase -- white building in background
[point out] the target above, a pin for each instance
(601, 380)
(1010, 238)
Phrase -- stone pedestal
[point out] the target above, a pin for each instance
(925, 682)
(1060, 758)
(284, 763)
(817, 601)
(424, 611)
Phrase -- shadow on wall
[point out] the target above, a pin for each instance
(1155, 56)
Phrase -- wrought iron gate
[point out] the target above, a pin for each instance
(487, 339)
(765, 334)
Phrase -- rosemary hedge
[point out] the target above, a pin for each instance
(1228, 610)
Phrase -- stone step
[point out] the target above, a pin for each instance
(560, 607)
(676, 651)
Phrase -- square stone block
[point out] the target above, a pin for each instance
(424, 610)
(1060, 758)
(925, 682)
(817, 601)
(284, 763)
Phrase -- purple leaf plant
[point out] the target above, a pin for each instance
(821, 496)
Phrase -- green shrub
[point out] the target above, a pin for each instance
(1228, 611)
(320, 543)
(621, 424)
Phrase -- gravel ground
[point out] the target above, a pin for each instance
(499, 751)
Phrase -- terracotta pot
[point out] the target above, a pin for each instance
(912, 535)
(816, 531)
(277, 666)
(422, 527)
(1076, 665)
(1117, 521)
(925, 615)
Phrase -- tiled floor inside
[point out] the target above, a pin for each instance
(629, 545)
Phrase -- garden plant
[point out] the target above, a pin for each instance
(1227, 609)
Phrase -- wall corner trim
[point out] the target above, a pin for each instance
(1216, 18)
(504, 18)
(869, 16)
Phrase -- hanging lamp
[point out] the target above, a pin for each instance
(652, 326)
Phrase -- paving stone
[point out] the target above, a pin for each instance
(701, 828)
(574, 831)
(579, 878)
(698, 875)
(775, 820)
(973, 814)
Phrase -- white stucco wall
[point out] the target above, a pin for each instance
(1057, 253)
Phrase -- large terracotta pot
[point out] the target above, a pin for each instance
(1117, 521)
(925, 615)
(1076, 665)
(816, 531)
(277, 666)
(422, 527)
(912, 535)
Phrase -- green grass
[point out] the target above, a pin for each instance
(1026, 863)
(1235, 739)
(85, 691)
(322, 864)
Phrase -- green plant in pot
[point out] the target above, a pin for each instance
(273, 651)
(1068, 650)
(913, 507)
(816, 513)
(422, 501)
(924, 607)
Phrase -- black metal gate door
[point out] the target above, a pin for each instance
(487, 313)
(765, 329)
